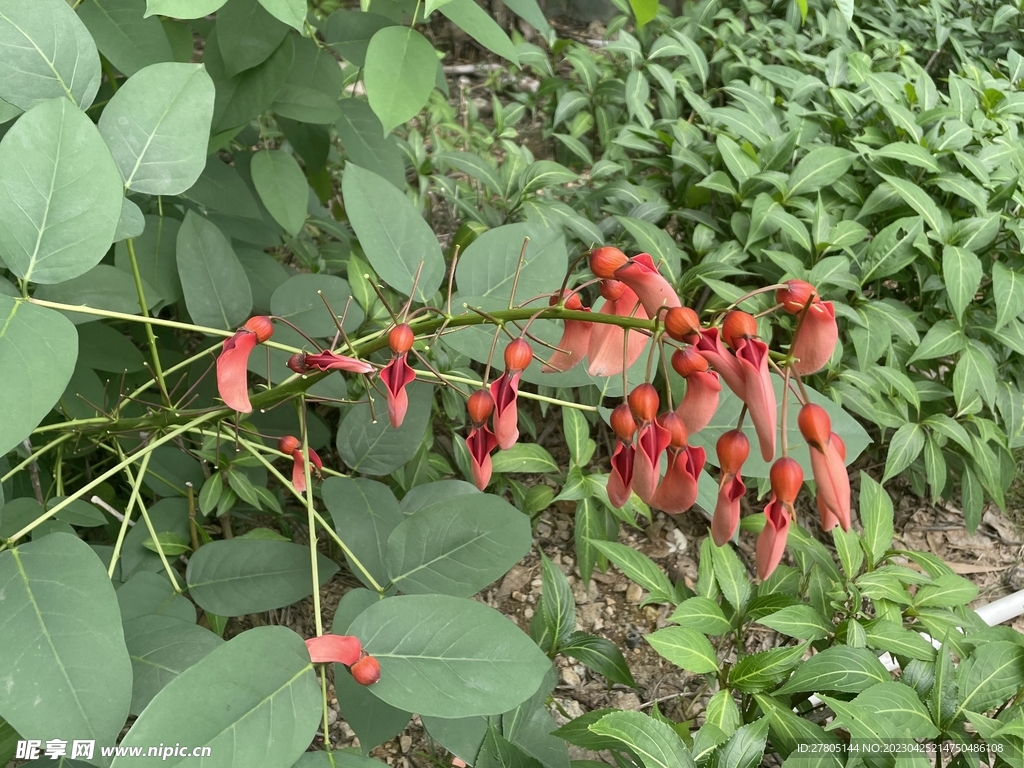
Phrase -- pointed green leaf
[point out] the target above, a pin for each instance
(216, 289)
(124, 36)
(282, 187)
(686, 648)
(819, 168)
(291, 12)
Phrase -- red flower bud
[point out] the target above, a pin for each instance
(732, 448)
(261, 326)
(297, 363)
(366, 671)
(837, 441)
(612, 290)
(572, 301)
(644, 402)
(605, 260)
(815, 426)
(787, 478)
(480, 406)
(288, 444)
(518, 355)
(401, 338)
(796, 295)
(688, 360)
(676, 429)
(738, 325)
(623, 423)
(681, 322)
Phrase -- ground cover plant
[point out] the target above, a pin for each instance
(278, 303)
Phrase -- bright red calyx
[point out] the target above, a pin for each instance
(815, 425)
(681, 322)
(366, 671)
(738, 325)
(676, 429)
(787, 478)
(288, 444)
(518, 355)
(401, 338)
(612, 290)
(605, 260)
(644, 402)
(623, 423)
(688, 360)
(732, 448)
(480, 406)
(261, 326)
(796, 295)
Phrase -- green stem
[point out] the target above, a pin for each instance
(33, 457)
(310, 519)
(137, 483)
(126, 523)
(150, 336)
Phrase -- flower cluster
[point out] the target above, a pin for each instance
(347, 650)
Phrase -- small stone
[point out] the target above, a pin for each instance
(676, 540)
(544, 530)
(405, 742)
(517, 595)
(570, 678)
(537, 582)
(528, 613)
(515, 579)
(621, 700)
(347, 734)
(598, 624)
(589, 613)
(634, 594)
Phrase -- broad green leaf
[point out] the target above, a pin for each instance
(524, 457)
(253, 700)
(155, 253)
(846, 8)
(943, 338)
(600, 654)
(887, 710)
(912, 154)
(576, 430)
(38, 350)
(655, 742)
(457, 546)
(961, 272)
(124, 36)
(686, 648)
(397, 241)
(183, 9)
(220, 188)
(788, 731)
(819, 168)
(55, 168)
(919, 200)
(399, 74)
(365, 144)
(374, 447)
(756, 672)
(746, 747)
(291, 12)
(876, 515)
(639, 568)
(893, 638)
(905, 445)
(250, 93)
(65, 662)
(530, 12)
(131, 223)
(161, 648)
(349, 33)
(424, 641)
(102, 287)
(703, 615)
(300, 301)
(723, 712)
(840, 668)
(246, 35)
(992, 674)
(800, 621)
(731, 576)
(1008, 290)
(214, 284)
(487, 268)
(947, 591)
(481, 26)
(233, 577)
(46, 52)
(974, 373)
(282, 187)
(644, 10)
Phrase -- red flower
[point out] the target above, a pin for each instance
(752, 356)
(397, 375)
(291, 445)
(815, 339)
(828, 455)
(505, 392)
(711, 347)
(575, 341)
(343, 649)
(480, 443)
(329, 361)
(700, 401)
(651, 442)
(771, 544)
(677, 491)
(655, 292)
(233, 361)
(608, 341)
(620, 481)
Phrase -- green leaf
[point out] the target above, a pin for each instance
(703, 615)
(846, 8)
(38, 350)
(127, 39)
(961, 272)
(800, 621)
(481, 26)
(722, 712)
(893, 638)
(946, 591)
(756, 672)
(1008, 290)
(171, 544)
(577, 433)
(254, 698)
(291, 12)
(840, 668)
(992, 674)
(655, 742)
(819, 168)
(397, 241)
(487, 268)
(102, 287)
(365, 512)
(246, 35)
(876, 515)
(457, 546)
(731, 576)
(904, 446)
(644, 10)
(282, 187)
(887, 710)
(943, 338)
(524, 457)
(233, 577)
(374, 447)
(558, 608)
(788, 731)
(424, 641)
(183, 9)
(974, 373)
(639, 568)
(686, 648)
(365, 144)
(919, 200)
(216, 290)
(593, 520)
(59, 602)
(912, 154)
(298, 300)
(47, 54)
(55, 166)
(601, 655)
(746, 747)
(399, 74)
(157, 127)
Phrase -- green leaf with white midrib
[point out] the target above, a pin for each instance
(637, 567)
(657, 745)
(686, 648)
(840, 668)
(800, 621)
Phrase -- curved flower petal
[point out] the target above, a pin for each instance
(651, 442)
(397, 375)
(833, 482)
(341, 649)
(727, 509)
(771, 543)
(232, 371)
(677, 491)
(654, 291)
(572, 347)
(329, 361)
(700, 401)
(299, 470)
(752, 356)
(481, 442)
(606, 340)
(815, 339)
(711, 347)
(620, 481)
(505, 392)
